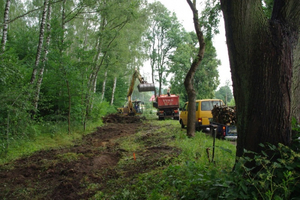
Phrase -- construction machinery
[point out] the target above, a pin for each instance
(167, 106)
(135, 107)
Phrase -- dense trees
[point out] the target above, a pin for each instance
(262, 54)
(62, 61)
(60, 47)
(164, 36)
(224, 93)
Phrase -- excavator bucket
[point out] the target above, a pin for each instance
(146, 87)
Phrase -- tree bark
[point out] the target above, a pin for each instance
(188, 82)
(103, 85)
(41, 40)
(296, 84)
(41, 72)
(113, 91)
(261, 61)
(5, 26)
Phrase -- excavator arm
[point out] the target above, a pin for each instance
(142, 87)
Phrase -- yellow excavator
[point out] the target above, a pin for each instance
(135, 107)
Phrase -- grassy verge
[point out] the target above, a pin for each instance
(51, 136)
(189, 175)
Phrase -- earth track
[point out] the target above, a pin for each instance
(79, 172)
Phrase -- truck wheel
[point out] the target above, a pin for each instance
(182, 125)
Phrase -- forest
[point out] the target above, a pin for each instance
(69, 62)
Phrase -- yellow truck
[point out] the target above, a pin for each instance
(203, 113)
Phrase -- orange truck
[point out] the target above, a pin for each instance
(167, 106)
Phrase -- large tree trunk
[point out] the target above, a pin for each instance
(5, 26)
(188, 82)
(41, 41)
(261, 53)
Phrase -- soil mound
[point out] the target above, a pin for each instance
(119, 118)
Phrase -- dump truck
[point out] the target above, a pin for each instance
(134, 107)
(167, 106)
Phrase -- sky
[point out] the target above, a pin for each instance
(185, 17)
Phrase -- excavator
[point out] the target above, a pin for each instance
(134, 107)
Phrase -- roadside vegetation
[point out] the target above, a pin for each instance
(194, 175)
(189, 172)
(188, 176)
(51, 134)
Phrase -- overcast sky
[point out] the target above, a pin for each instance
(185, 17)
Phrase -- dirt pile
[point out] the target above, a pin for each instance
(118, 118)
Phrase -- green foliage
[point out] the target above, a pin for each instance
(232, 102)
(268, 7)
(164, 36)
(192, 176)
(101, 109)
(210, 18)
(15, 120)
(225, 94)
(90, 35)
(206, 76)
(189, 176)
(273, 177)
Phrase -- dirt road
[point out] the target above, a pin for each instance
(79, 172)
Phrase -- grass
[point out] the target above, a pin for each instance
(189, 176)
(46, 140)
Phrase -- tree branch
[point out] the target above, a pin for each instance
(23, 15)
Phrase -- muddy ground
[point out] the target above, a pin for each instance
(79, 172)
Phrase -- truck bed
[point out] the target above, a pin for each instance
(165, 101)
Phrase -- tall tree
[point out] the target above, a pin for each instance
(164, 37)
(41, 70)
(41, 41)
(261, 54)
(206, 76)
(5, 26)
(188, 82)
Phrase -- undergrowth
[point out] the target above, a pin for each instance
(45, 140)
(194, 175)
(189, 176)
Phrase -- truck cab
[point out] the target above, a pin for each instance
(203, 113)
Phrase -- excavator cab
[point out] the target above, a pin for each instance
(138, 106)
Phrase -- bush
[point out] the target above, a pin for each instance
(273, 177)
